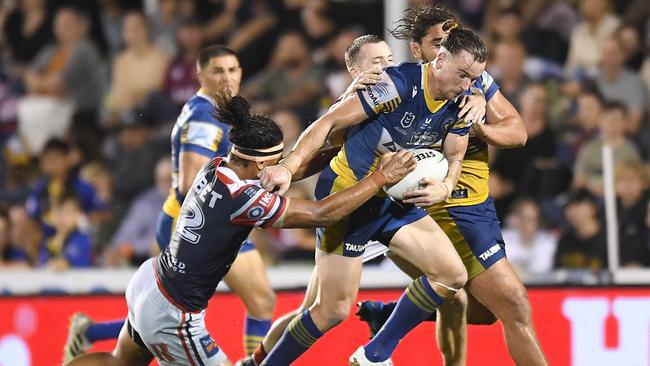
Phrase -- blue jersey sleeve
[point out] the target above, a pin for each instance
(387, 94)
(487, 85)
(33, 202)
(78, 250)
(204, 134)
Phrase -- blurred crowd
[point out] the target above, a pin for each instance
(90, 89)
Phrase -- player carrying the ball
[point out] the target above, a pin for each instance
(412, 106)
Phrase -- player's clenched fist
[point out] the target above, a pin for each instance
(395, 166)
(276, 178)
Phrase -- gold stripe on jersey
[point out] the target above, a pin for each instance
(217, 140)
(472, 186)
(184, 130)
(171, 206)
(433, 104)
(389, 106)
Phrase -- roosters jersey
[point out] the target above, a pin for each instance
(217, 215)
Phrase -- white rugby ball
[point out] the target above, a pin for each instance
(430, 163)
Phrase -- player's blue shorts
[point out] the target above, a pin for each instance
(378, 219)
(475, 232)
(165, 227)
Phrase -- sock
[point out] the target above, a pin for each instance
(414, 306)
(259, 355)
(300, 334)
(390, 306)
(104, 330)
(254, 332)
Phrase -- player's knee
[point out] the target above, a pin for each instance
(459, 302)
(262, 305)
(335, 312)
(517, 307)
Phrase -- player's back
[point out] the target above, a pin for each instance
(217, 215)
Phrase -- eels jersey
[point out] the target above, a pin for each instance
(217, 215)
(402, 115)
(199, 131)
(472, 186)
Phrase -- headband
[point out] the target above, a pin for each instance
(258, 154)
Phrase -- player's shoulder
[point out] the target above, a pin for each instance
(408, 72)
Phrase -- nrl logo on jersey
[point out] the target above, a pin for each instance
(407, 120)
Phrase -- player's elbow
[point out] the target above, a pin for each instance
(325, 216)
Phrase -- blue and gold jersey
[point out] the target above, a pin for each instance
(196, 130)
(472, 186)
(402, 115)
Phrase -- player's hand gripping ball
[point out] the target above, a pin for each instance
(430, 164)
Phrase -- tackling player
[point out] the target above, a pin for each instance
(168, 295)
(413, 105)
(469, 219)
(196, 138)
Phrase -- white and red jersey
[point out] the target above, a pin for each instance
(217, 215)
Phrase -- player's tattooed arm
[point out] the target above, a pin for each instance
(305, 213)
(504, 128)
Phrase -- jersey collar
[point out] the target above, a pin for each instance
(433, 105)
(201, 93)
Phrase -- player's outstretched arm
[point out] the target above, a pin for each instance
(190, 163)
(304, 213)
(504, 128)
(316, 163)
(347, 113)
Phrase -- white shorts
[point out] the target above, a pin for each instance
(173, 336)
(373, 250)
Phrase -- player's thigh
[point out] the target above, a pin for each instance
(338, 280)
(248, 279)
(129, 352)
(311, 292)
(502, 292)
(426, 246)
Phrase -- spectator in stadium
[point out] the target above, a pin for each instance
(132, 163)
(583, 125)
(290, 80)
(588, 170)
(508, 68)
(531, 248)
(164, 23)
(630, 42)
(131, 244)
(112, 16)
(68, 246)
(583, 245)
(69, 70)
(59, 180)
(138, 70)
(27, 29)
(11, 256)
(633, 198)
(532, 168)
(617, 83)
(180, 80)
(589, 35)
(337, 77)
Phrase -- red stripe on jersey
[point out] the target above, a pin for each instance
(168, 296)
(277, 215)
(258, 208)
(180, 336)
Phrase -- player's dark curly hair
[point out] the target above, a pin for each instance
(251, 131)
(417, 21)
(460, 39)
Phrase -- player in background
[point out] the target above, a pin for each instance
(365, 59)
(168, 295)
(469, 219)
(196, 138)
(412, 106)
